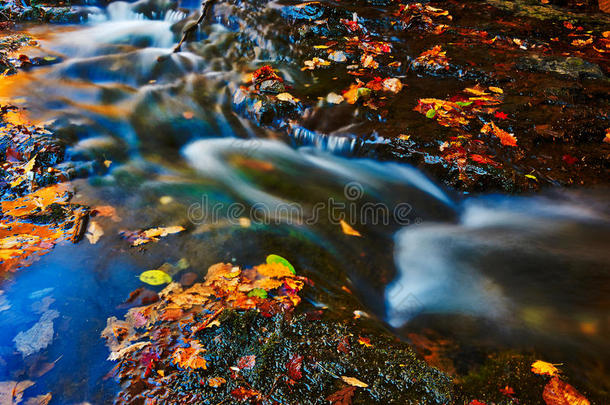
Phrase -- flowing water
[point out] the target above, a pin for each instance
(490, 272)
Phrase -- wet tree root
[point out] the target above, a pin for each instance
(192, 27)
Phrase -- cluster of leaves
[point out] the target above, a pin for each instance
(159, 341)
(457, 113)
(238, 337)
(35, 215)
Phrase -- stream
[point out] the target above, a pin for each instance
(489, 272)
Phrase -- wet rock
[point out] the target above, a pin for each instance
(100, 147)
(573, 67)
(272, 86)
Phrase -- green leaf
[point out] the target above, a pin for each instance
(258, 292)
(431, 113)
(279, 259)
(464, 103)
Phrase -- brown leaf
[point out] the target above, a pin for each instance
(343, 396)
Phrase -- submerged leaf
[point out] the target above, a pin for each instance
(155, 277)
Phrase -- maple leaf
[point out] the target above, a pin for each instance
(500, 115)
(508, 391)
(544, 368)
(558, 392)
(348, 230)
(343, 396)
(294, 366)
(189, 357)
(366, 342)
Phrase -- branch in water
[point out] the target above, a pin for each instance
(192, 27)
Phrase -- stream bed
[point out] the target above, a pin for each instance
(156, 135)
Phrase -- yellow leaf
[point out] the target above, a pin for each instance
(530, 176)
(155, 277)
(348, 230)
(544, 368)
(496, 90)
(354, 382)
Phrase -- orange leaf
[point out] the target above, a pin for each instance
(544, 368)
(348, 230)
(557, 392)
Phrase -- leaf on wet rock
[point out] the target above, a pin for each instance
(216, 382)
(505, 138)
(315, 63)
(190, 357)
(558, 392)
(294, 366)
(277, 259)
(348, 230)
(366, 342)
(343, 396)
(544, 368)
(287, 97)
(354, 382)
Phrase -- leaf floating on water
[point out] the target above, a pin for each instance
(155, 277)
(149, 235)
(94, 232)
(354, 382)
(276, 259)
(505, 137)
(558, 392)
(348, 230)
(544, 368)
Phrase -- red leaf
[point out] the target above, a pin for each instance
(569, 159)
(294, 366)
(343, 396)
(241, 393)
(501, 115)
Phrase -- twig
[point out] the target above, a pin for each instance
(193, 27)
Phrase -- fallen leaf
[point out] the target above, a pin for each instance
(155, 277)
(354, 382)
(277, 259)
(366, 342)
(294, 367)
(94, 232)
(343, 396)
(348, 230)
(216, 382)
(505, 137)
(558, 392)
(544, 368)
